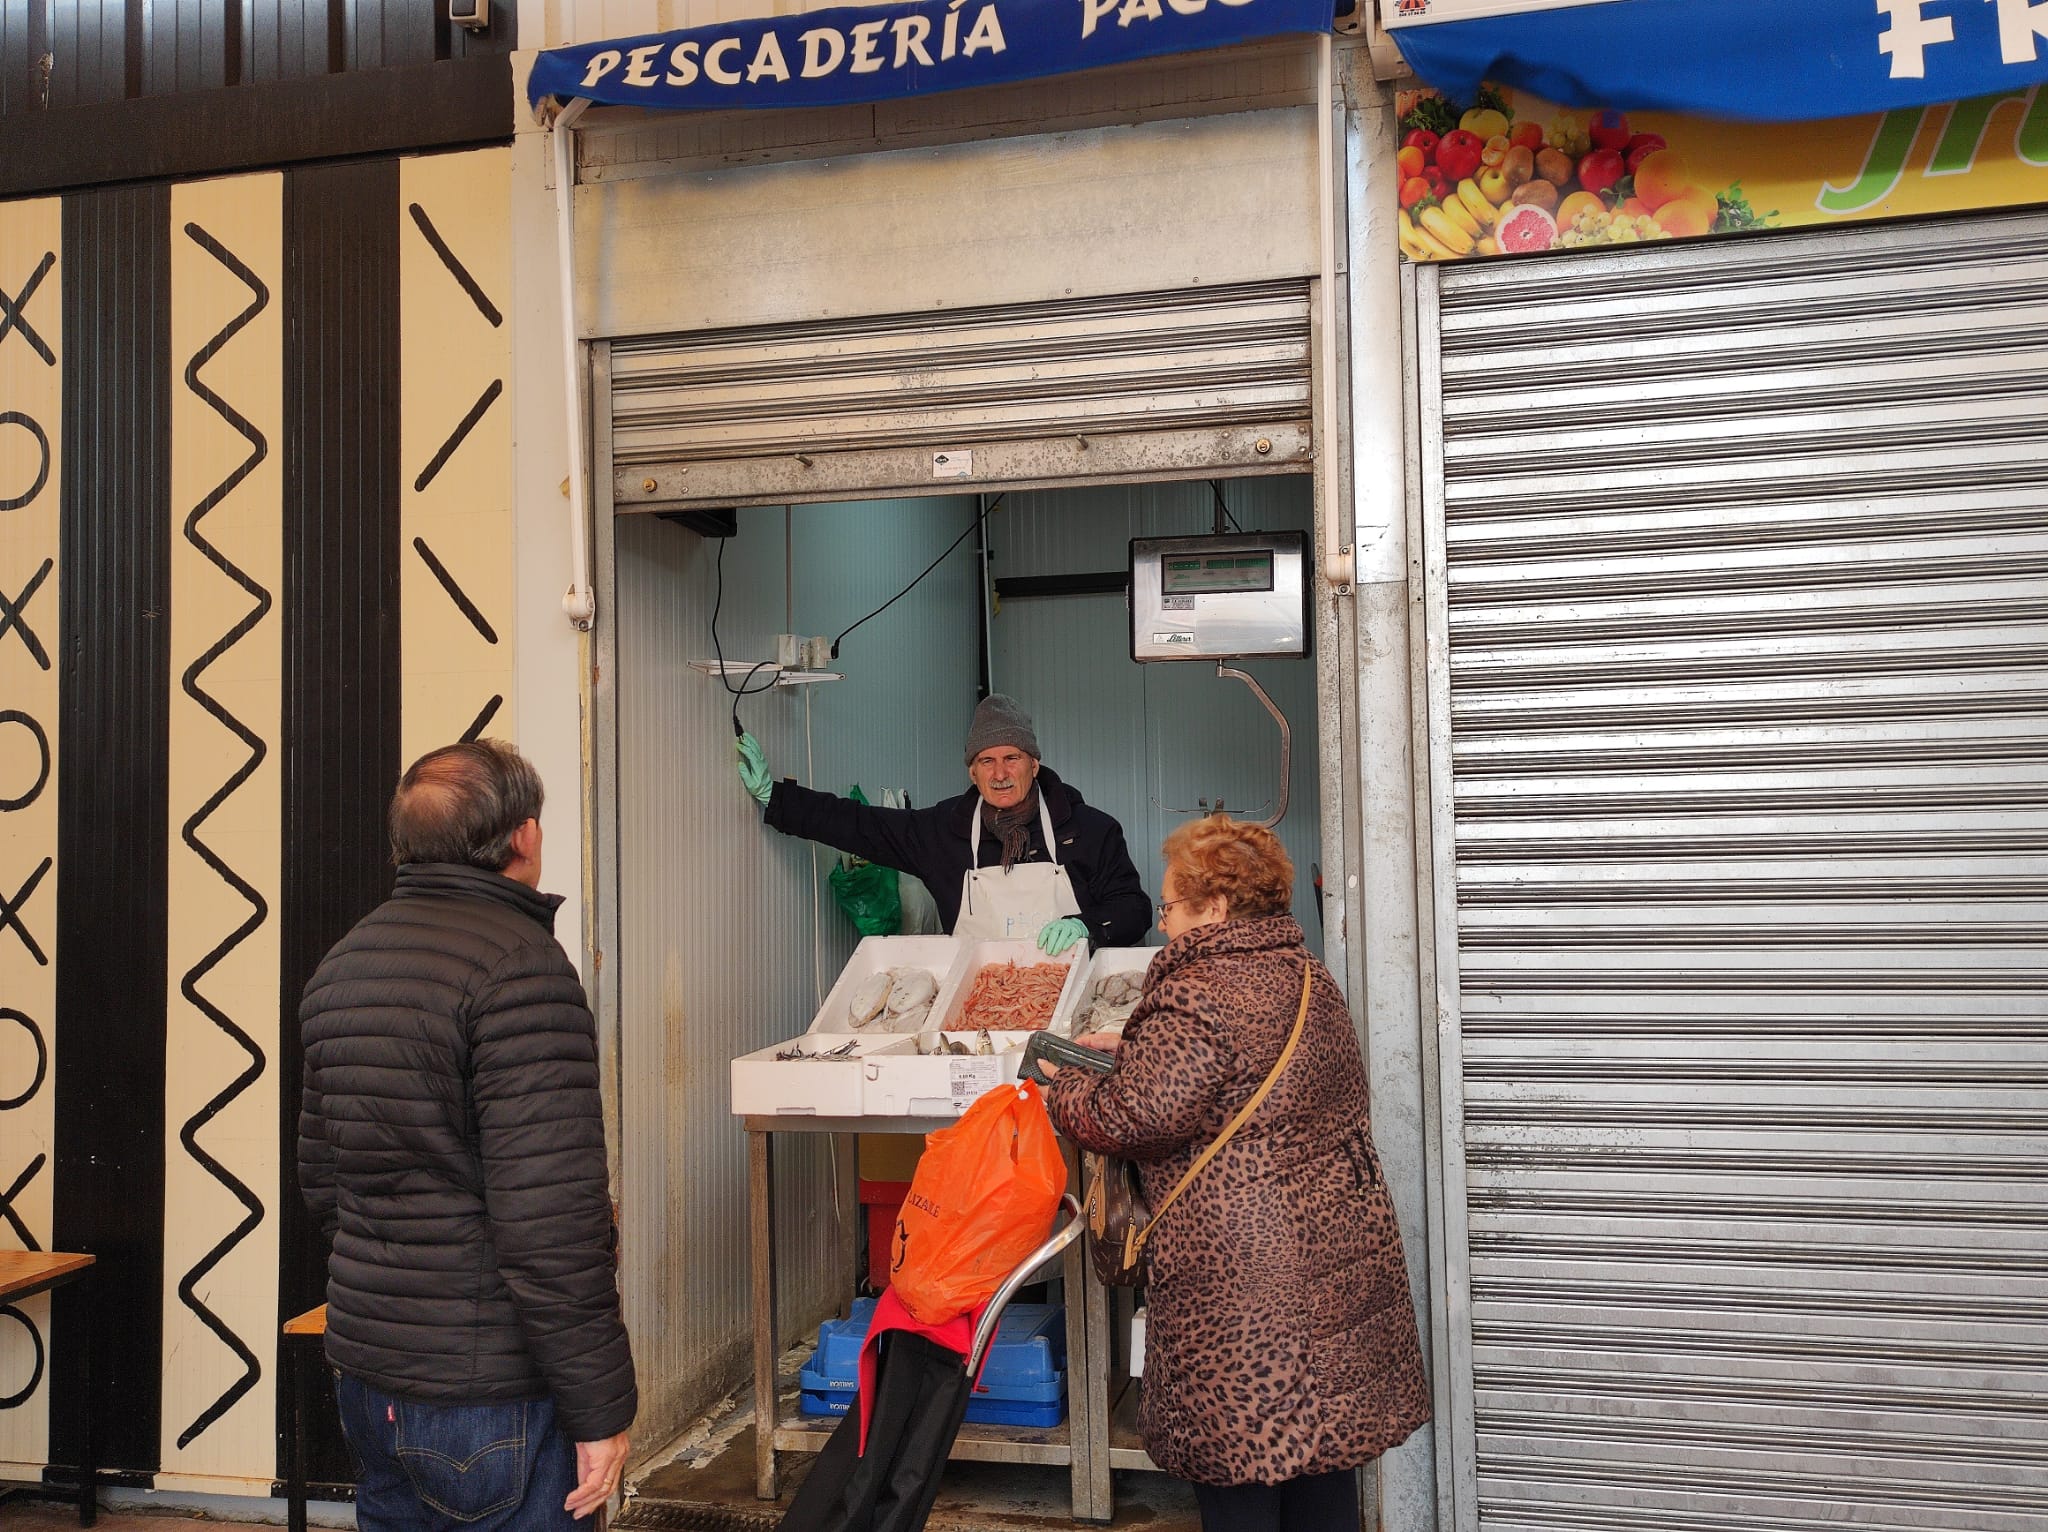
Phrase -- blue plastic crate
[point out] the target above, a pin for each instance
(1023, 1383)
(987, 1412)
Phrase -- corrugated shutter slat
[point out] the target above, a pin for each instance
(1155, 385)
(1746, 621)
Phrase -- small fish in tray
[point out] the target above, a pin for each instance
(795, 1053)
(937, 1044)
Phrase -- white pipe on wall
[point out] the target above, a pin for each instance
(579, 603)
(1339, 566)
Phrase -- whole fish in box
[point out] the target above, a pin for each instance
(1111, 1004)
(900, 999)
(913, 987)
(869, 997)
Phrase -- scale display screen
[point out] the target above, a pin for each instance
(1194, 574)
(1227, 596)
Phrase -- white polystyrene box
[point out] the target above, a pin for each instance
(1110, 960)
(941, 1085)
(765, 1086)
(938, 955)
(977, 955)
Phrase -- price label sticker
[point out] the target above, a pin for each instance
(972, 1079)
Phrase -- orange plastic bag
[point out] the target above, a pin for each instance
(982, 1200)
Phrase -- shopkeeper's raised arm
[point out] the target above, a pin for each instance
(1018, 855)
(892, 837)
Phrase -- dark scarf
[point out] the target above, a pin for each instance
(1012, 826)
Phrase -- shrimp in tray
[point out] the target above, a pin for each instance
(1007, 997)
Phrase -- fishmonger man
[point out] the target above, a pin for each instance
(1019, 855)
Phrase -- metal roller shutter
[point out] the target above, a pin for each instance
(1148, 386)
(1738, 614)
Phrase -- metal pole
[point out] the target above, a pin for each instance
(579, 603)
(1286, 741)
(1339, 567)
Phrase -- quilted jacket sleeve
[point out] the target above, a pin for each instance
(540, 1136)
(1162, 1094)
(316, 1159)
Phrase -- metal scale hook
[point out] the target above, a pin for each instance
(1286, 754)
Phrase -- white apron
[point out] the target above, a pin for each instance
(996, 905)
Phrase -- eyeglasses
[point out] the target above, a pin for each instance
(1164, 905)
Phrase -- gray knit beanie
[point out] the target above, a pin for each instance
(1000, 721)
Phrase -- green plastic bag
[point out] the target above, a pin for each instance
(867, 892)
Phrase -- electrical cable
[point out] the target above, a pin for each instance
(1216, 489)
(745, 688)
(913, 585)
(817, 924)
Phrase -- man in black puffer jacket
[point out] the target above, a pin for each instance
(451, 1145)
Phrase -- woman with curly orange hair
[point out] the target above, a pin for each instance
(1281, 1345)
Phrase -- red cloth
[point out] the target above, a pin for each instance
(956, 1334)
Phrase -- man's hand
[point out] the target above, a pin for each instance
(598, 1468)
(1056, 936)
(753, 767)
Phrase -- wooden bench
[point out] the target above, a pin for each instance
(302, 1333)
(25, 1274)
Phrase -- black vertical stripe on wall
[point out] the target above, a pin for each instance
(113, 815)
(340, 600)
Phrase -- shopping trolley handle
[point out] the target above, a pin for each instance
(992, 1316)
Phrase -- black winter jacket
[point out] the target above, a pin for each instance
(932, 844)
(451, 1143)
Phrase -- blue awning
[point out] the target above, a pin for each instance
(1758, 60)
(853, 54)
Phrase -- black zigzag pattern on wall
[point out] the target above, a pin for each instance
(471, 612)
(15, 324)
(259, 910)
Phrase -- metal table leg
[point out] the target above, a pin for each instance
(761, 1229)
(295, 1483)
(1082, 1406)
(846, 1177)
(1100, 1499)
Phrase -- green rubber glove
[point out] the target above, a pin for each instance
(754, 774)
(1056, 936)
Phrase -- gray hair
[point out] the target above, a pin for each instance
(462, 803)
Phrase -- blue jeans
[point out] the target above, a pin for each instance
(437, 1467)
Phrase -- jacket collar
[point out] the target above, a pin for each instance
(443, 879)
(1272, 933)
(1059, 799)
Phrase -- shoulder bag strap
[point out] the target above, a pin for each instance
(1244, 1112)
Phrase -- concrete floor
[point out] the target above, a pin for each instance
(45, 1516)
(716, 1494)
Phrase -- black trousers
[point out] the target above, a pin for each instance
(1323, 1502)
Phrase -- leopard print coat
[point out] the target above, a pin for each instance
(1280, 1333)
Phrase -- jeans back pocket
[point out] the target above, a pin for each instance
(466, 1461)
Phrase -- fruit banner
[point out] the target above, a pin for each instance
(1511, 174)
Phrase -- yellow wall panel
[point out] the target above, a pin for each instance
(221, 1090)
(456, 444)
(31, 353)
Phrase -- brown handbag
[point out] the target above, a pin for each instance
(1119, 1218)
